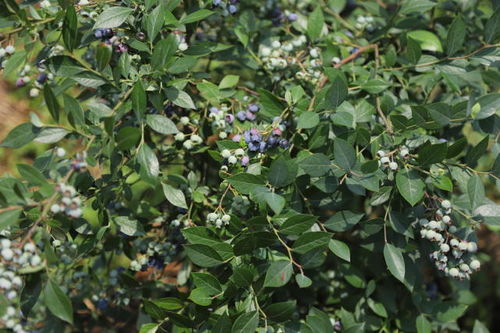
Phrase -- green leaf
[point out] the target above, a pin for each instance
(297, 224)
(200, 235)
(282, 172)
(246, 323)
(278, 274)
(200, 297)
(479, 327)
(345, 156)
(315, 23)
(375, 86)
(303, 281)
(281, 311)
(394, 261)
(337, 93)
(245, 182)
(103, 55)
(456, 36)
(139, 99)
(423, 325)
(58, 302)
(229, 81)
(488, 105)
(448, 311)
(275, 201)
(13, 63)
(9, 217)
(196, 16)
(378, 308)
(308, 120)
(410, 186)
(414, 52)
(310, 241)
(477, 152)
(32, 175)
(492, 27)
(163, 52)
(149, 328)
(129, 226)
(427, 40)
(21, 135)
(128, 137)
(208, 282)
(270, 104)
(203, 255)
(70, 29)
(343, 220)
(169, 303)
(180, 98)
(161, 124)
(340, 249)
(112, 17)
(429, 154)
(416, 6)
(316, 165)
(148, 161)
(209, 91)
(175, 196)
(51, 135)
(154, 22)
(475, 191)
(51, 102)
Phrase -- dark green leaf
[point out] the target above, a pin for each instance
(395, 261)
(278, 274)
(58, 302)
(203, 255)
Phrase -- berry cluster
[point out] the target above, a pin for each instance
(109, 37)
(66, 251)
(78, 163)
(453, 256)
(257, 142)
(390, 159)
(250, 114)
(228, 7)
(153, 254)
(290, 58)
(13, 259)
(240, 205)
(222, 120)
(232, 157)
(69, 204)
(365, 22)
(218, 219)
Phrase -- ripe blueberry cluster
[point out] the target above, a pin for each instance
(453, 255)
(249, 114)
(228, 7)
(218, 219)
(153, 254)
(390, 159)
(109, 37)
(257, 142)
(69, 204)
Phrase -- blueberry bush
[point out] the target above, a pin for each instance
(249, 166)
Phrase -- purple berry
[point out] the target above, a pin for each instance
(250, 116)
(284, 143)
(241, 115)
(254, 108)
(292, 17)
(214, 110)
(237, 138)
(244, 160)
(229, 118)
(42, 77)
(216, 2)
(20, 82)
(232, 9)
(122, 48)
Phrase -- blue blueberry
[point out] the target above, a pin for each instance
(292, 17)
(284, 143)
(102, 304)
(42, 77)
(241, 116)
(254, 108)
(232, 9)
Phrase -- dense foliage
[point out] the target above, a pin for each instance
(242, 166)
